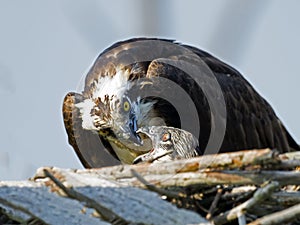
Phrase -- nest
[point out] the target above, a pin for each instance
(245, 187)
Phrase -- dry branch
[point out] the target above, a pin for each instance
(260, 195)
(151, 187)
(205, 169)
(281, 217)
(214, 204)
(105, 213)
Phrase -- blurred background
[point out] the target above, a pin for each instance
(47, 46)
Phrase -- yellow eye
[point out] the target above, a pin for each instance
(126, 106)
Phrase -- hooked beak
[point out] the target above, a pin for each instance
(134, 137)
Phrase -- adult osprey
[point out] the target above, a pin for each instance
(153, 82)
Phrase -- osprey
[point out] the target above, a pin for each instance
(168, 143)
(155, 82)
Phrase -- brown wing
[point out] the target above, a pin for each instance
(251, 121)
(91, 150)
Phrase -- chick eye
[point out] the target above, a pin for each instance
(126, 106)
(166, 137)
(151, 131)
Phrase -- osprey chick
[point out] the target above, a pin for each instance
(168, 143)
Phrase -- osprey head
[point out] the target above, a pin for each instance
(112, 112)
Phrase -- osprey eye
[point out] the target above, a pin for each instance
(166, 137)
(126, 106)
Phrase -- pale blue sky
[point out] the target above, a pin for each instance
(47, 46)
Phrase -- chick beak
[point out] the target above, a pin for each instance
(144, 131)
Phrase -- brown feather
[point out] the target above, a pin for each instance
(88, 146)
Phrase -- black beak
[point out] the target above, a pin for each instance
(133, 128)
(137, 160)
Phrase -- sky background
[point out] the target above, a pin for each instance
(46, 47)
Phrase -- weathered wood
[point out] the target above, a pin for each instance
(232, 160)
(44, 205)
(259, 196)
(205, 170)
(132, 204)
(118, 193)
(105, 213)
(281, 217)
(286, 198)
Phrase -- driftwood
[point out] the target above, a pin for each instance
(255, 186)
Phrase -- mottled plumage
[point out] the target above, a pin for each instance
(168, 143)
(101, 122)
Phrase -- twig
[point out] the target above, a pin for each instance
(206, 177)
(104, 212)
(240, 193)
(214, 204)
(20, 208)
(159, 156)
(258, 196)
(281, 217)
(286, 198)
(152, 187)
(290, 156)
(241, 218)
